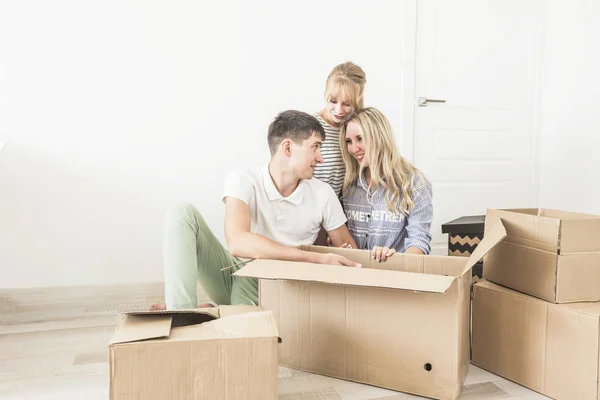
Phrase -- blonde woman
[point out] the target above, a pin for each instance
(387, 200)
(344, 90)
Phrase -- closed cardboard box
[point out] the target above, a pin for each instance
(219, 353)
(402, 324)
(550, 348)
(550, 254)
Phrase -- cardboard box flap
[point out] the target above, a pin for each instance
(362, 257)
(530, 211)
(192, 316)
(340, 275)
(259, 324)
(580, 235)
(247, 325)
(529, 229)
(143, 325)
(228, 311)
(494, 234)
(213, 312)
(565, 215)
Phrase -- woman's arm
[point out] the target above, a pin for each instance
(342, 236)
(418, 222)
(414, 250)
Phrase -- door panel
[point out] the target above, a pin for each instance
(481, 57)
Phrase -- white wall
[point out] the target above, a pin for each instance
(569, 146)
(114, 110)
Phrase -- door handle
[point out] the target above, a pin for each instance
(424, 100)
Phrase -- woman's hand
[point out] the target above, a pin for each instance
(382, 253)
(346, 246)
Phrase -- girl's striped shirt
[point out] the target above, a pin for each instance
(332, 170)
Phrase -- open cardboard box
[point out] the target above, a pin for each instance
(401, 324)
(227, 352)
(550, 254)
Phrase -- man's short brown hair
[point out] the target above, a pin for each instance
(295, 125)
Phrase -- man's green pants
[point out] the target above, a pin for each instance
(192, 253)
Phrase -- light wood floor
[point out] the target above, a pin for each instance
(53, 345)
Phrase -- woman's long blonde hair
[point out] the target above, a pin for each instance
(347, 78)
(389, 170)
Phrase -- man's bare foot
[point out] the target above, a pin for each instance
(163, 307)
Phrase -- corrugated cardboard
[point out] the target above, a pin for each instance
(550, 348)
(402, 324)
(550, 254)
(214, 353)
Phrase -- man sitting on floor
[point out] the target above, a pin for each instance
(269, 212)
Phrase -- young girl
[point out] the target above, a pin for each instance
(343, 94)
(387, 200)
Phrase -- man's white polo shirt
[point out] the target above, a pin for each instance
(292, 220)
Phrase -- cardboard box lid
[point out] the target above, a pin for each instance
(494, 235)
(590, 308)
(552, 230)
(466, 224)
(579, 233)
(221, 322)
(370, 277)
(341, 275)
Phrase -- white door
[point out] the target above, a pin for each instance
(482, 58)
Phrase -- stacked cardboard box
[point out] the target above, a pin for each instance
(402, 324)
(538, 324)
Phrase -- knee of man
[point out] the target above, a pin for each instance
(181, 211)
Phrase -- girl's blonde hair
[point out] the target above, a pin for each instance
(389, 170)
(348, 79)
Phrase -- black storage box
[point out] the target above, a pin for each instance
(464, 234)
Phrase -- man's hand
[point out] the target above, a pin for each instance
(335, 259)
(381, 253)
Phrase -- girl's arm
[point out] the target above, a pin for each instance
(418, 225)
